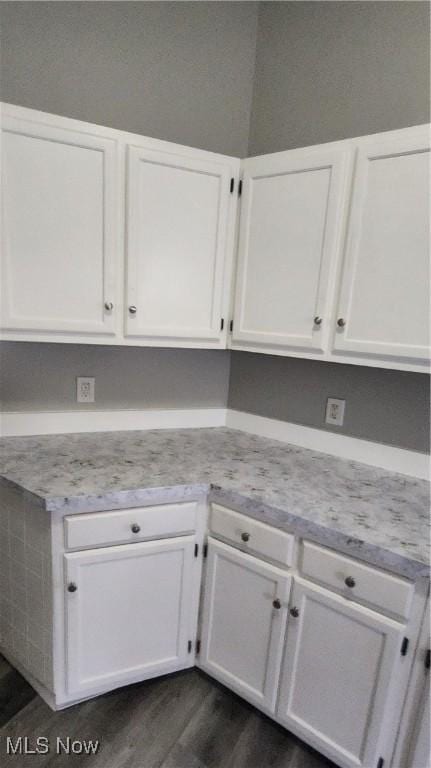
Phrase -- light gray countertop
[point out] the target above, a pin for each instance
(378, 516)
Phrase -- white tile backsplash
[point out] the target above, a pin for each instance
(26, 585)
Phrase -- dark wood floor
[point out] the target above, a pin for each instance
(182, 721)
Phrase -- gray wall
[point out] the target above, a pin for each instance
(184, 72)
(42, 377)
(332, 70)
(327, 71)
(381, 405)
(180, 71)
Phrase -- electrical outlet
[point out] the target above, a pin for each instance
(85, 389)
(335, 411)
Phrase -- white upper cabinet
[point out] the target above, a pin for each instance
(113, 238)
(290, 232)
(59, 192)
(179, 241)
(384, 301)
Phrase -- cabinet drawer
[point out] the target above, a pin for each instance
(251, 535)
(378, 589)
(101, 529)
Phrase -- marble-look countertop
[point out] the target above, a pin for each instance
(378, 516)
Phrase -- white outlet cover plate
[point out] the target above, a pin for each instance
(85, 389)
(335, 411)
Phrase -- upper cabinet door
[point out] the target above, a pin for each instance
(59, 189)
(384, 301)
(291, 217)
(177, 244)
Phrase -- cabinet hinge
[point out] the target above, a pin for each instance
(205, 550)
(222, 323)
(196, 550)
(240, 188)
(380, 762)
(231, 326)
(404, 646)
(189, 646)
(198, 646)
(428, 659)
(232, 185)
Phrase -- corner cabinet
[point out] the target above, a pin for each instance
(291, 225)
(178, 238)
(333, 259)
(384, 300)
(109, 237)
(59, 225)
(244, 621)
(129, 613)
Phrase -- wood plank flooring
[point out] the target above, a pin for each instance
(185, 720)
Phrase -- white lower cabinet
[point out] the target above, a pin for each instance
(337, 680)
(129, 613)
(244, 620)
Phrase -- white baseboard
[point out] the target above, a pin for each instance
(61, 422)
(387, 457)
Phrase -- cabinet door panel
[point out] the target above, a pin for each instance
(59, 228)
(130, 615)
(384, 298)
(177, 241)
(289, 239)
(242, 633)
(337, 671)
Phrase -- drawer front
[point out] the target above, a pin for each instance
(261, 539)
(124, 526)
(363, 583)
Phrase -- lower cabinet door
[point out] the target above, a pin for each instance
(336, 682)
(129, 612)
(243, 626)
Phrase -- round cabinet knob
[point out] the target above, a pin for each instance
(132, 309)
(109, 306)
(294, 612)
(135, 528)
(350, 582)
(341, 323)
(72, 587)
(276, 604)
(317, 320)
(245, 536)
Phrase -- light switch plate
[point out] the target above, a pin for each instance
(85, 389)
(335, 411)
